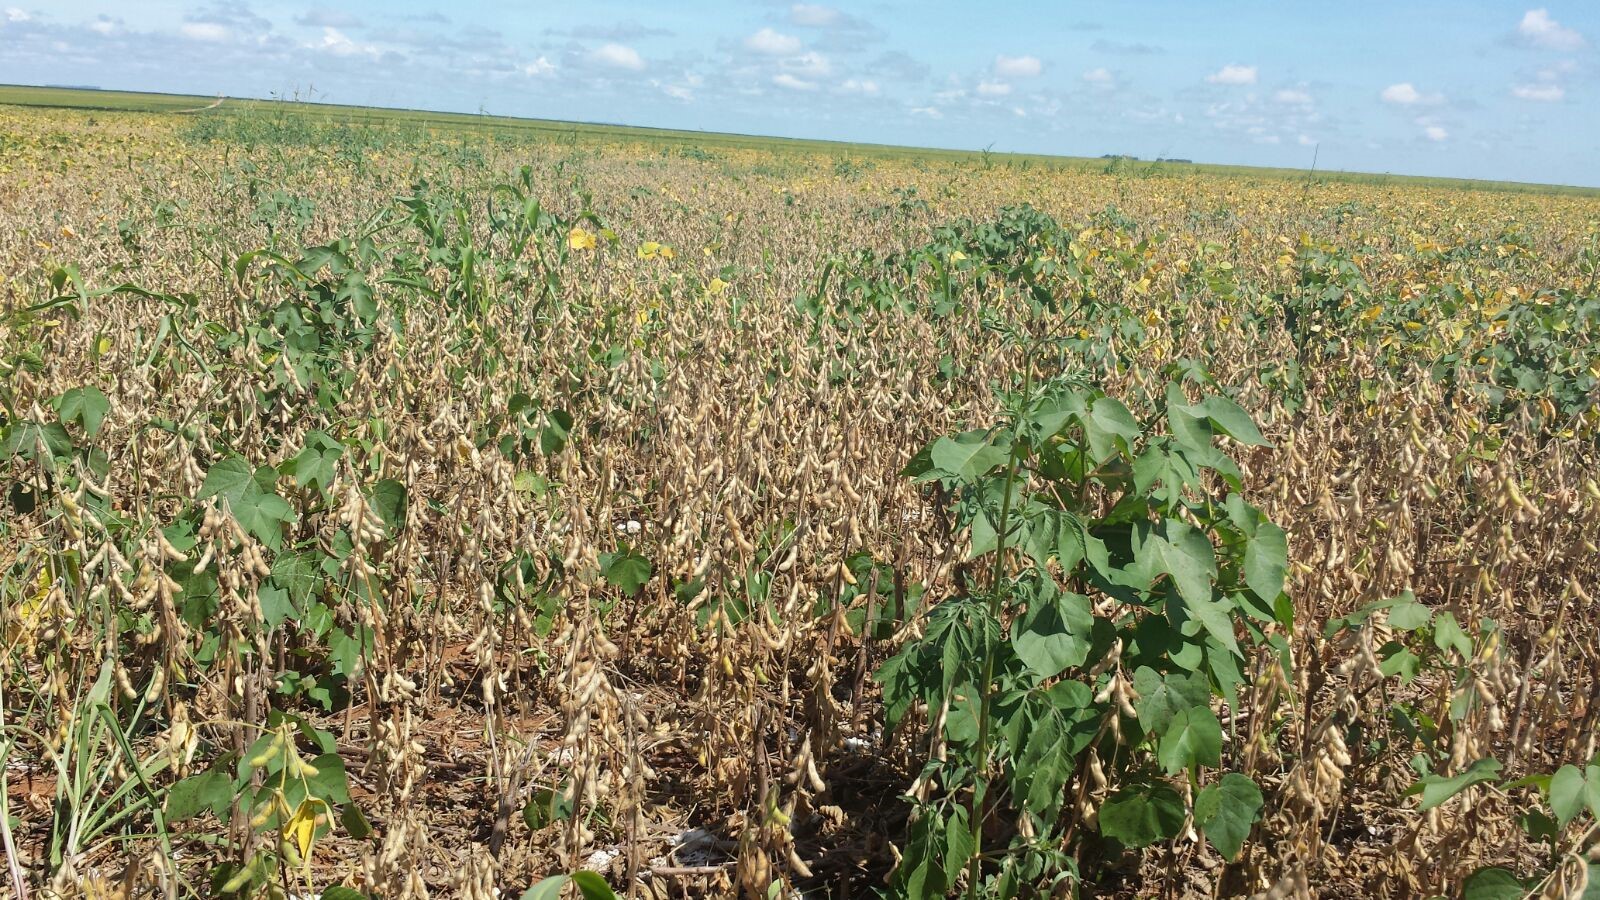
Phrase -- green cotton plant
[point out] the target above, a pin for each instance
(1028, 678)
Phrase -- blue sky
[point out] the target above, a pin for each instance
(1460, 88)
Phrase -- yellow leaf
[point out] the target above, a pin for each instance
(580, 239)
(302, 828)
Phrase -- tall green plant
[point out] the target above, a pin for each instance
(1119, 578)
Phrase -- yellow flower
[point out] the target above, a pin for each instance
(580, 240)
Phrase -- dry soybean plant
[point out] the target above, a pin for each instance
(407, 513)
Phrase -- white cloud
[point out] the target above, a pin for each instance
(1017, 66)
(1538, 29)
(325, 18)
(1406, 94)
(1307, 140)
(773, 43)
(104, 25)
(681, 90)
(1293, 97)
(784, 79)
(1545, 93)
(336, 42)
(539, 68)
(931, 112)
(810, 64)
(993, 88)
(14, 14)
(1435, 133)
(618, 56)
(675, 91)
(210, 32)
(860, 86)
(1100, 76)
(1233, 74)
(813, 15)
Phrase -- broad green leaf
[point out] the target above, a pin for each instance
(591, 886)
(356, 289)
(1139, 818)
(1539, 827)
(299, 575)
(355, 824)
(265, 518)
(1436, 789)
(1211, 616)
(23, 439)
(1053, 635)
(984, 537)
(556, 431)
(316, 463)
(340, 892)
(548, 889)
(1225, 811)
(1193, 738)
(1266, 561)
(1448, 635)
(231, 479)
(85, 405)
(275, 605)
(1189, 424)
(344, 651)
(1110, 415)
(211, 790)
(1406, 614)
(958, 843)
(330, 783)
(1161, 698)
(1187, 555)
(1399, 660)
(390, 500)
(1493, 883)
(1229, 418)
(250, 498)
(625, 570)
(1571, 792)
(967, 456)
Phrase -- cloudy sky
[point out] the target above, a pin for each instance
(1438, 87)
